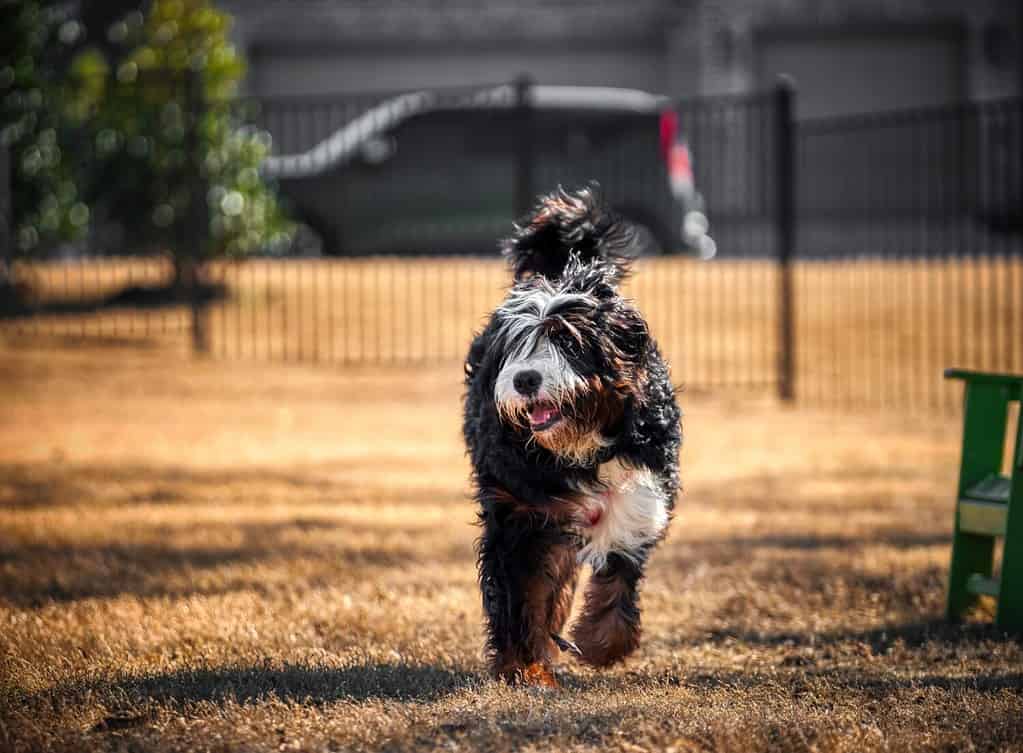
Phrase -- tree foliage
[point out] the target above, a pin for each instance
(46, 203)
(153, 116)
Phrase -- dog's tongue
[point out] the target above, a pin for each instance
(541, 414)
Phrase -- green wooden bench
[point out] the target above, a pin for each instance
(988, 504)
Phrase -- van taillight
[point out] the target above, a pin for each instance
(675, 152)
(680, 171)
(669, 132)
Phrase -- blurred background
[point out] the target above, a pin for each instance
(244, 246)
(830, 193)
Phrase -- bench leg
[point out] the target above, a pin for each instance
(1010, 603)
(970, 554)
(1010, 599)
(1010, 592)
(985, 412)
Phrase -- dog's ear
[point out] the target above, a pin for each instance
(570, 226)
(627, 328)
(477, 352)
(626, 343)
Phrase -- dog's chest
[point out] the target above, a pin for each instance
(623, 512)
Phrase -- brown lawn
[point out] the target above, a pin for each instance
(242, 556)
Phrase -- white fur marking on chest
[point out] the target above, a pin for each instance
(633, 512)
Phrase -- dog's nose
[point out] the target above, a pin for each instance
(527, 382)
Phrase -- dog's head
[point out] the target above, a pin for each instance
(570, 356)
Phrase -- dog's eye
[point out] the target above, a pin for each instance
(566, 341)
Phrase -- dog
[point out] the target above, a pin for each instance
(573, 429)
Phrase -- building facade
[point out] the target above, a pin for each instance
(845, 56)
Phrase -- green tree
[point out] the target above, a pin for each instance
(46, 204)
(167, 115)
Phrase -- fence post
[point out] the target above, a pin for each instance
(196, 230)
(524, 156)
(785, 231)
(6, 221)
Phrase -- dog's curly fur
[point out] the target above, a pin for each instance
(574, 433)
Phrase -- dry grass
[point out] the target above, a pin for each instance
(870, 334)
(211, 556)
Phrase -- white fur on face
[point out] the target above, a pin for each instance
(558, 383)
(633, 512)
(527, 348)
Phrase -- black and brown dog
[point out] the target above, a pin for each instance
(574, 434)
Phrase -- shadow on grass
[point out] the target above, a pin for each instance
(32, 486)
(33, 575)
(799, 682)
(132, 702)
(293, 683)
(133, 296)
(738, 548)
(912, 635)
(200, 557)
(862, 488)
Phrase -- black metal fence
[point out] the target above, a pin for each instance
(856, 258)
(911, 252)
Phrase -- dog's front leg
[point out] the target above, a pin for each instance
(609, 628)
(527, 575)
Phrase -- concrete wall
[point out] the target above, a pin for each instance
(866, 71)
(316, 46)
(681, 47)
(292, 71)
(726, 32)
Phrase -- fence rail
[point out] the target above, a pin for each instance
(871, 333)
(399, 310)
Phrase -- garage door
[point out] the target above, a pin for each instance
(853, 73)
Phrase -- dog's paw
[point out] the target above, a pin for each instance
(536, 675)
(539, 675)
(606, 640)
